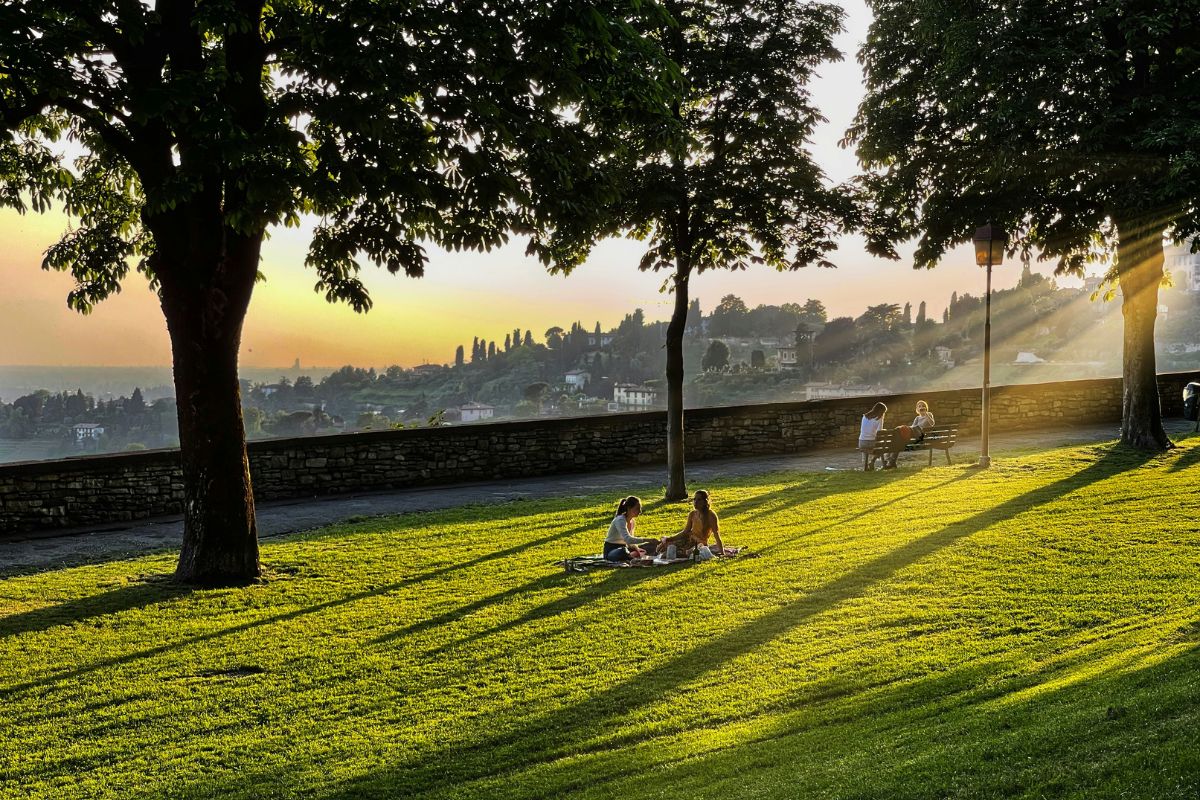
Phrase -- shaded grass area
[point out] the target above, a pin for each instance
(1028, 631)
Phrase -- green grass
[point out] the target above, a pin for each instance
(1030, 631)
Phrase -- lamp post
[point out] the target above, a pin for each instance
(990, 243)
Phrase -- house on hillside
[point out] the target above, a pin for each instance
(632, 395)
(603, 340)
(1180, 261)
(427, 369)
(834, 391)
(86, 432)
(577, 380)
(945, 355)
(473, 412)
(1024, 357)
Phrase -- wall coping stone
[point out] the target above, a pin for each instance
(169, 457)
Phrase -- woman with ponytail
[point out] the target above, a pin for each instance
(702, 523)
(620, 544)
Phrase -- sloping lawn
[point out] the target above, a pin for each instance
(1030, 631)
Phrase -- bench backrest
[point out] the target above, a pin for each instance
(939, 435)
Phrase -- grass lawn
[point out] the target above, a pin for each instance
(1030, 631)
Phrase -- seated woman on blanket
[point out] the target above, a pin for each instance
(701, 524)
(620, 544)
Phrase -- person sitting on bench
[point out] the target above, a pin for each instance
(620, 544)
(872, 424)
(909, 434)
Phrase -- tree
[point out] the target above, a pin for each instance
(921, 313)
(554, 338)
(716, 357)
(758, 359)
(475, 354)
(718, 177)
(459, 356)
(813, 313)
(730, 317)
(202, 125)
(528, 341)
(835, 344)
(535, 393)
(136, 404)
(491, 350)
(1077, 132)
(508, 342)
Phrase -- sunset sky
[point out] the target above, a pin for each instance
(463, 294)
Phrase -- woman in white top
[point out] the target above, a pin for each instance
(620, 544)
(872, 423)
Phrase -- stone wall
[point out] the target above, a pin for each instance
(115, 488)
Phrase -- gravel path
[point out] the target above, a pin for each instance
(50, 549)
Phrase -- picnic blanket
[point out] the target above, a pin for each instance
(598, 561)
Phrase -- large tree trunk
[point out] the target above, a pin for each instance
(676, 482)
(204, 311)
(1140, 271)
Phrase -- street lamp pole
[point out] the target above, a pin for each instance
(990, 243)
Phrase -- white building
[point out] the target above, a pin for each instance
(635, 396)
(87, 432)
(788, 357)
(945, 355)
(603, 340)
(1181, 259)
(473, 412)
(833, 391)
(577, 379)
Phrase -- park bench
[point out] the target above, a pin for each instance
(936, 438)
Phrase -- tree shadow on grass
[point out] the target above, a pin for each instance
(589, 725)
(617, 580)
(1126, 732)
(81, 609)
(803, 488)
(1190, 456)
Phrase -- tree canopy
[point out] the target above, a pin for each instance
(195, 127)
(1074, 125)
(1054, 119)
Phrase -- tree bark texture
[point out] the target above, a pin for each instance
(205, 306)
(1140, 271)
(676, 480)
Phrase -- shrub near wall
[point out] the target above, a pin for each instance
(121, 487)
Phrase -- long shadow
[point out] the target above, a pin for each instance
(114, 601)
(1190, 457)
(78, 672)
(507, 510)
(897, 738)
(598, 717)
(618, 580)
(809, 487)
(869, 510)
(1044, 741)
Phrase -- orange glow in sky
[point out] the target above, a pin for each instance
(463, 294)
